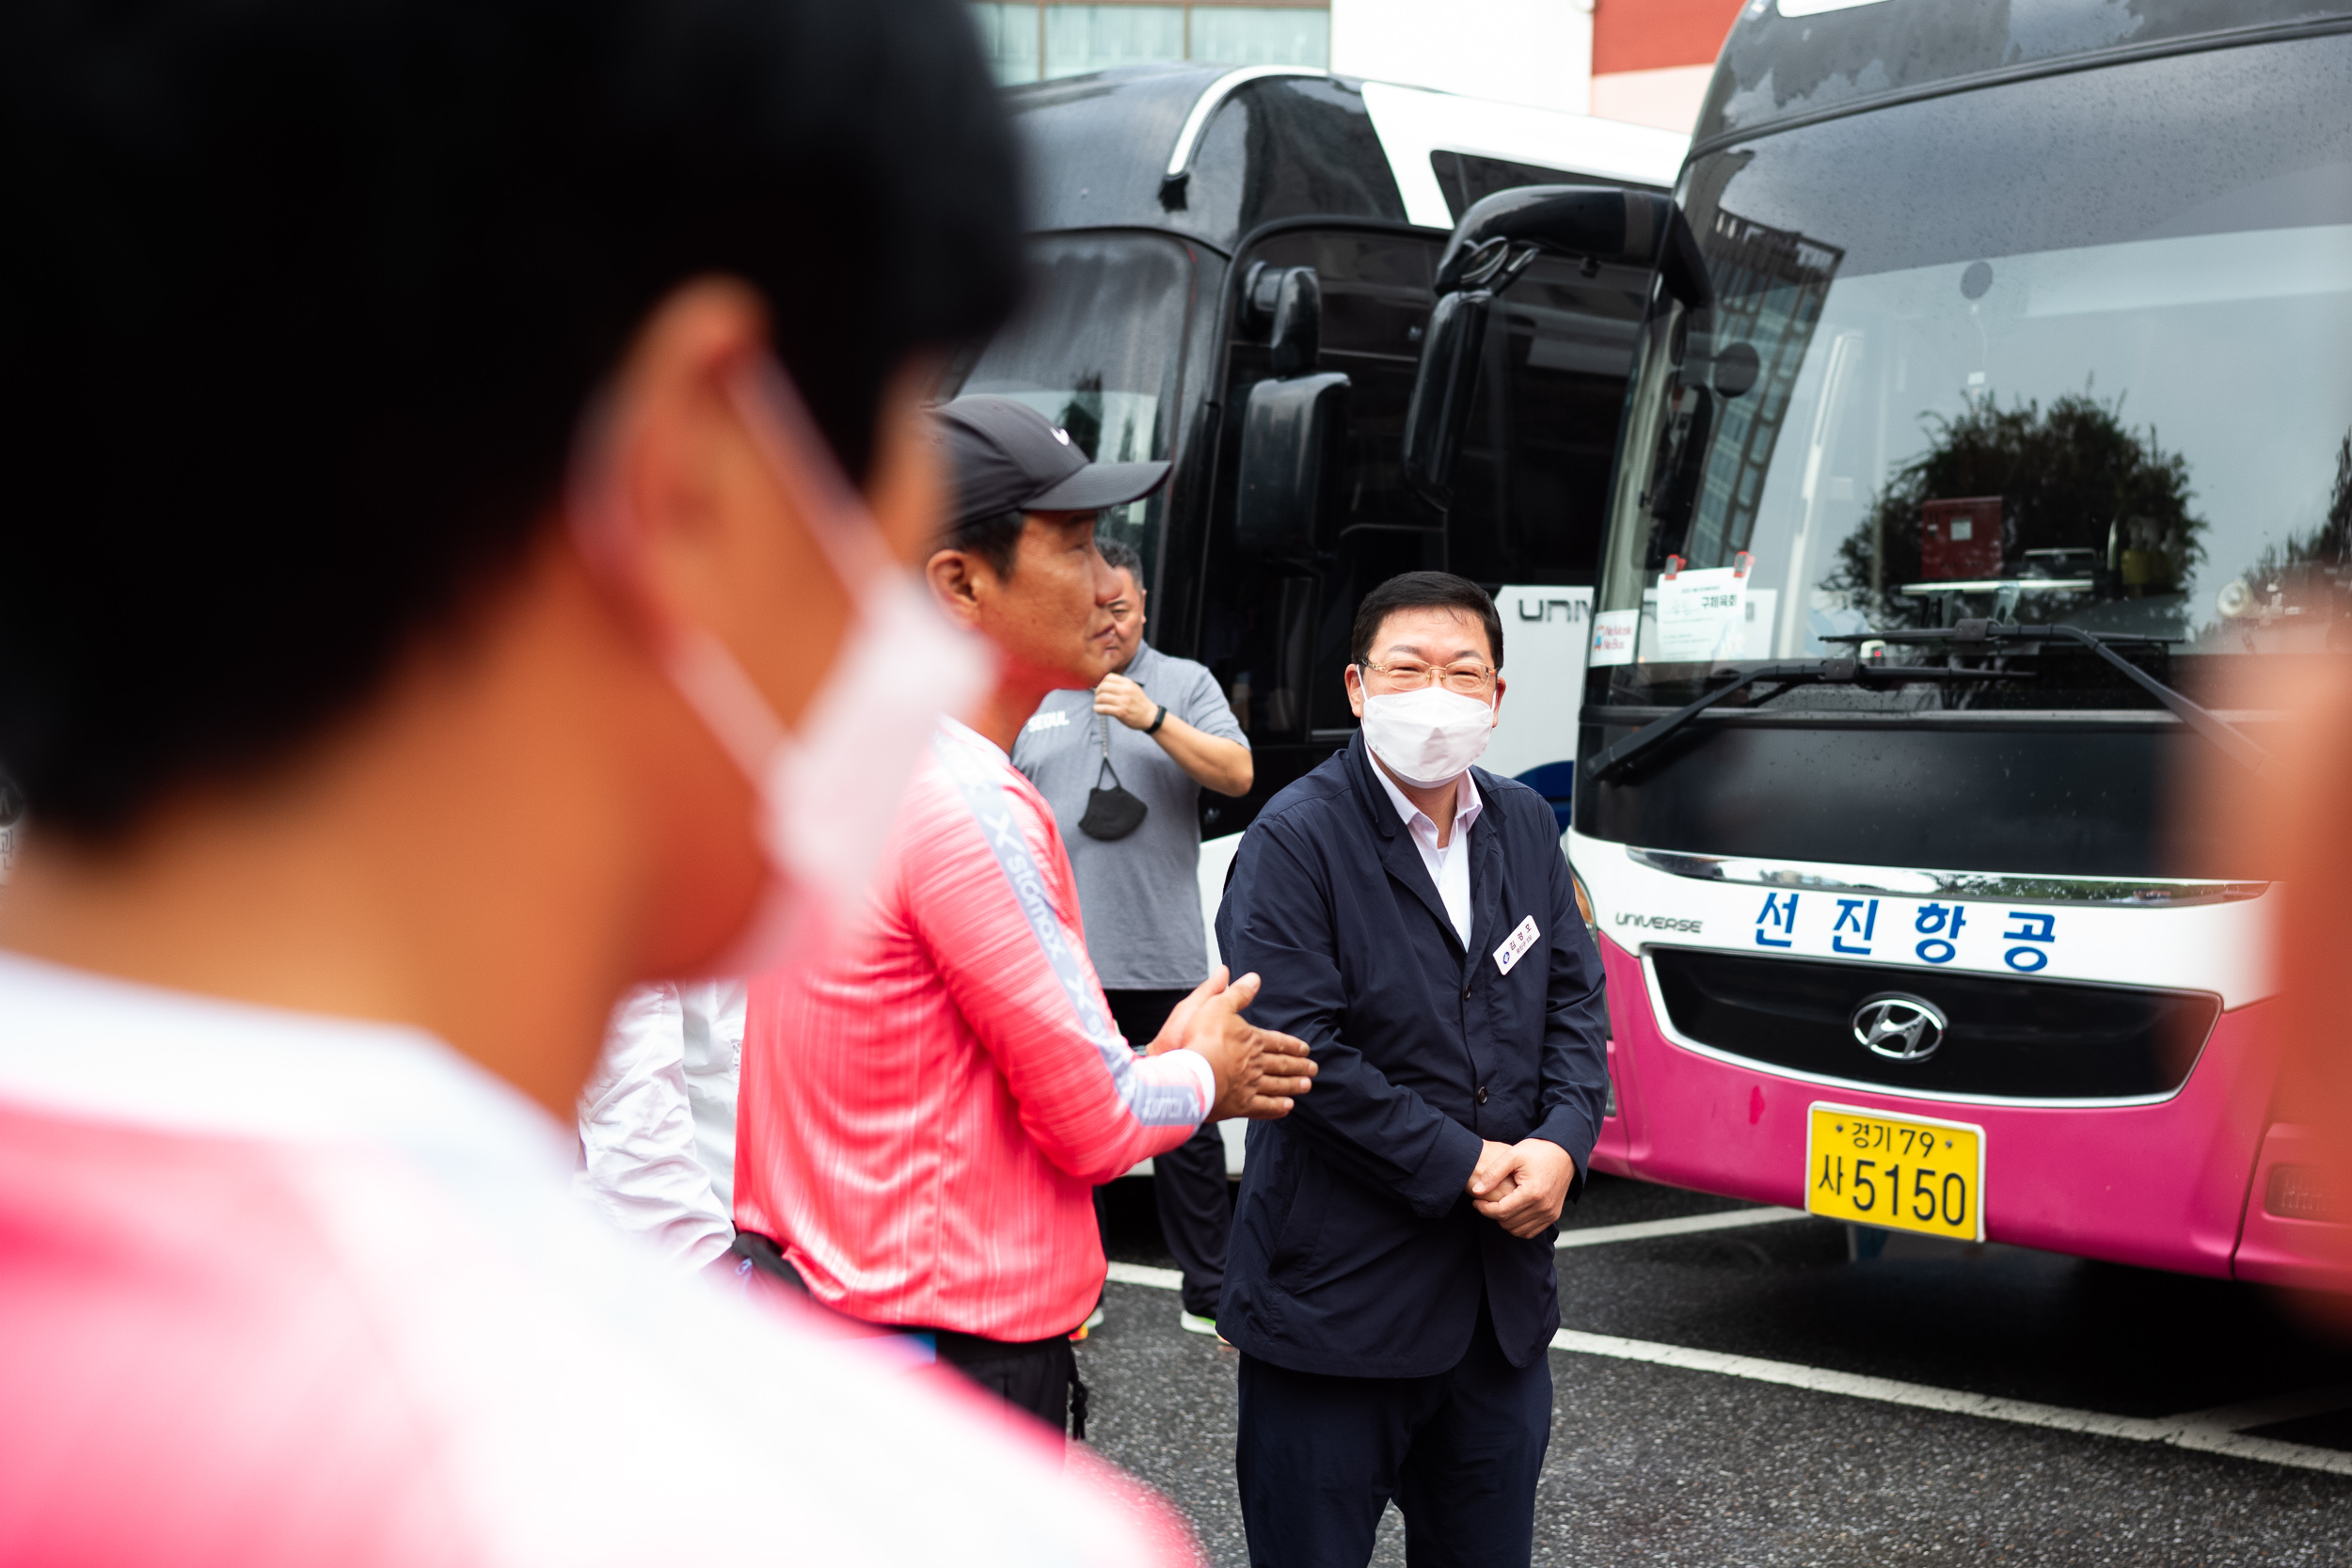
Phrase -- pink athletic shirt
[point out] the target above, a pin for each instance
(923, 1119)
(280, 1290)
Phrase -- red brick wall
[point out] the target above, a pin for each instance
(1646, 34)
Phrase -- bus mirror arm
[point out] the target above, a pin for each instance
(1612, 760)
(1597, 224)
(1681, 266)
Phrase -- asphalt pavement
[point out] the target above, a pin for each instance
(1758, 1393)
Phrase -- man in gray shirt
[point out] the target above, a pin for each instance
(1167, 734)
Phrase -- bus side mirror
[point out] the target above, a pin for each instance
(1443, 384)
(1497, 239)
(1286, 304)
(1292, 434)
(1292, 427)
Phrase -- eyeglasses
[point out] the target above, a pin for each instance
(1469, 680)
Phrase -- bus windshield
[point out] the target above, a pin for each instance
(1096, 349)
(2076, 350)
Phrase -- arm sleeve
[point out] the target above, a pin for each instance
(1201, 703)
(1277, 921)
(714, 1070)
(1016, 967)
(637, 1134)
(1575, 1060)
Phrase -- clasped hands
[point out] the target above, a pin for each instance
(1521, 1186)
(1260, 1074)
(1259, 1071)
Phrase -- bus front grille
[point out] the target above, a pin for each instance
(2052, 1041)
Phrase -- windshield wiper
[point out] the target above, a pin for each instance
(1614, 759)
(2223, 734)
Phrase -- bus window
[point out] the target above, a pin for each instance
(1098, 349)
(2111, 400)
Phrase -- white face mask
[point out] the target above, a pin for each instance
(1427, 738)
(829, 794)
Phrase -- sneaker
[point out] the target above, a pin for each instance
(1095, 1320)
(1192, 1323)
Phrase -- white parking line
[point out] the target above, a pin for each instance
(2202, 1431)
(2217, 1430)
(1136, 1274)
(1735, 1219)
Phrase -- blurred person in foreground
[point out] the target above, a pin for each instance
(1123, 765)
(1391, 1284)
(2286, 824)
(925, 1115)
(431, 609)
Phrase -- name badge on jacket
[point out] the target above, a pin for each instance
(1515, 947)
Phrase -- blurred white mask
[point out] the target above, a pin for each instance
(828, 793)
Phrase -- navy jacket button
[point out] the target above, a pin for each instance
(1481, 1094)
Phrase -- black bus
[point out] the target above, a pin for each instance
(1204, 234)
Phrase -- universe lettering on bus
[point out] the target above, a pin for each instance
(2021, 940)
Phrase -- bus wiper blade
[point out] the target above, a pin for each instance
(1614, 759)
(2223, 734)
(2205, 722)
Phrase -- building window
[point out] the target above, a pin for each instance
(1012, 38)
(1261, 34)
(1079, 39)
(1034, 42)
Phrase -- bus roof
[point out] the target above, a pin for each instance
(1788, 62)
(1214, 151)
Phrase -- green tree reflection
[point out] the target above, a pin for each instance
(2072, 478)
(2329, 544)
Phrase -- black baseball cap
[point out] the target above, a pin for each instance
(1008, 457)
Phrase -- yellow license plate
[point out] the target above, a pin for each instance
(1905, 1172)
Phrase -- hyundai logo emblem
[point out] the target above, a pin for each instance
(1898, 1027)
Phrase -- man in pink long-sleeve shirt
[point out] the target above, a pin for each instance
(923, 1119)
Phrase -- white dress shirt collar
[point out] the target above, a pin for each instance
(1449, 866)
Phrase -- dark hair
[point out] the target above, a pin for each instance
(1120, 557)
(301, 300)
(1423, 591)
(994, 538)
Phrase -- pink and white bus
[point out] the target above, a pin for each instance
(1985, 491)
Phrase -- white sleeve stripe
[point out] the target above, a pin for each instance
(1152, 1104)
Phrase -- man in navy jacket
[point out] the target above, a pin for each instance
(1390, 1282)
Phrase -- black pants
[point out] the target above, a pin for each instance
(1189, 1182)
(1039, 1376)
(1320, 1457)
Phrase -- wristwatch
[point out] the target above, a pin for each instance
(1157, 720)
